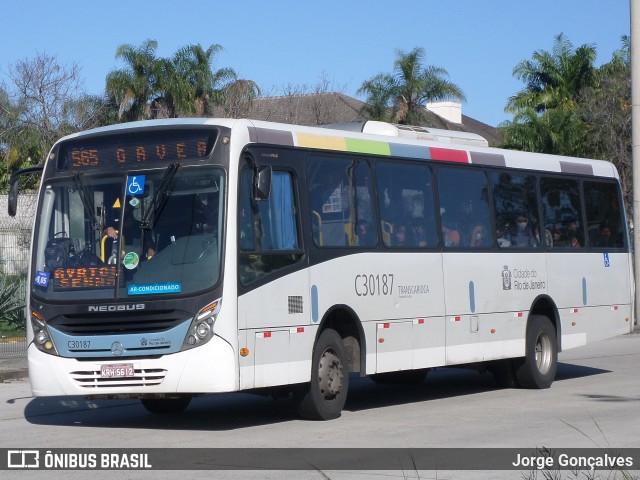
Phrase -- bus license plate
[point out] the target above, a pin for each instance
(117, 370)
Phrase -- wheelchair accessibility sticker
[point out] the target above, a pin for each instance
(135, 185)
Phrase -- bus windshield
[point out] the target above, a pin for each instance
(149, 233)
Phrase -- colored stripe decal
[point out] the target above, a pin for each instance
(490, 159)
(325, 142)
(367, 146)
(570, 167)
(268, 135)
(409, 151)
(448, 155)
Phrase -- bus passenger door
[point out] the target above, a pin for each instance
(274, 310)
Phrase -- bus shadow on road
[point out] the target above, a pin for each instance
(232, 411)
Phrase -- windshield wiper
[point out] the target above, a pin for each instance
(160, 198)
(86, 199)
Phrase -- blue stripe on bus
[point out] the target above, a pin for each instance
(314, 304)
(410, 151)
(472, 297)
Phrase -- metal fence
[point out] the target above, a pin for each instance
(15, 238)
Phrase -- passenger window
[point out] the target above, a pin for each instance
(563, 226)
(268, 229)
(516, 209)
(604, 216)
(340, 202)
(407, 212)
(464, 208)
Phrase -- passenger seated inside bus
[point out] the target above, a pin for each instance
(603, 237)
(450, 236)
(521, 234)
(480, 236)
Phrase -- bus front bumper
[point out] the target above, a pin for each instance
(206, 369)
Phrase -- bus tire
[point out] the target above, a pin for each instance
(325, 395)
(164, 406)
(538, 367)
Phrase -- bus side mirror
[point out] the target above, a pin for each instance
(12, 204)
(262, 182)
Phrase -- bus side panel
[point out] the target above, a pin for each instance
(592, 293)
(403, 290)
(277, 332)
(488, 297)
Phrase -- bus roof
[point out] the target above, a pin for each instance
(383, 139)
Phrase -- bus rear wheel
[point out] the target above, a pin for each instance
(538, 367)
(166, 406)
(325, 395)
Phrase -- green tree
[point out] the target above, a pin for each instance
(407, 90)
(33, 111)
(198, 86)
(606, 110)
(545, 110)
(134, 87)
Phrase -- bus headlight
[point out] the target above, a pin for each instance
(41, 338)
(201, 329)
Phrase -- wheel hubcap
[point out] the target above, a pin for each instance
(543, 353)
(330, 374)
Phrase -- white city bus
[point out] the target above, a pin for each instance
(180, 257)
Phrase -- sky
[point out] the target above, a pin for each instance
(298, 43)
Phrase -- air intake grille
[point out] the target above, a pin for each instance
(91, 379)
(295, 304)
(119, 322)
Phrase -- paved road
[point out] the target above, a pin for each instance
(593, 403)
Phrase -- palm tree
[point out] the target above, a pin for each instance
(134, 87)
(204, 87)
(408, 89)
(554, 79)
(239, 96)
(545, 112)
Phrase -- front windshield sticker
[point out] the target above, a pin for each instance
(131, 260)
(153, 288)
(42, 279)
(135, 185)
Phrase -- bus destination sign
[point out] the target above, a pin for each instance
(135, 151)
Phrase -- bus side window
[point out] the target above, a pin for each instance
(464, 207)
(340, 202)
(405, 199)
(268, 230)
(562, 213)
(604, 215)
(516, 209)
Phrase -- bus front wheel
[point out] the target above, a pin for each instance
(538, 367)
(325, 395)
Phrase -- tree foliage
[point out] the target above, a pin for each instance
(545, 116)
(606, 111)
(570, 107)
(186, 84)
(39, 105)
(401, 96)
